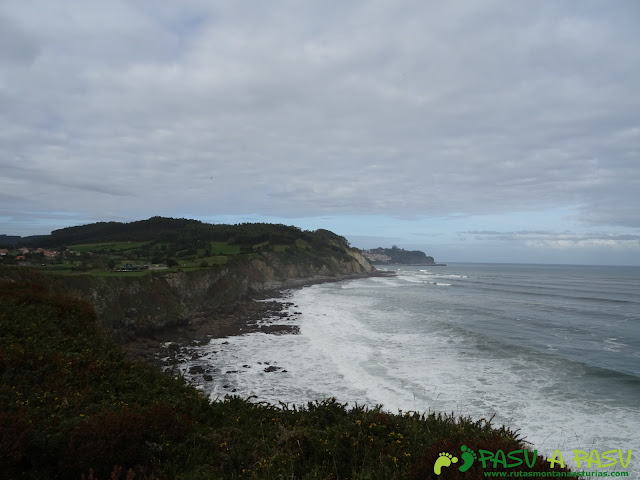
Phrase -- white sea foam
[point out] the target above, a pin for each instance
(358, 348)
(407, 278)
(613, 345)
(387, 281)
(442, 372)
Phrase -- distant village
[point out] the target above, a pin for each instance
(34, 256)
(25, 254)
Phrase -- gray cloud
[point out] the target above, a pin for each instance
(401, 108)
(16, 46)
(560, 240)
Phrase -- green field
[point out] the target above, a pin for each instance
(213, 260)
(106, 273)
(223, 248)
(115, 247)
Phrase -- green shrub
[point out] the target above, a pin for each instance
(72, 406)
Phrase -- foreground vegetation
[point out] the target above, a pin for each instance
(72, 405)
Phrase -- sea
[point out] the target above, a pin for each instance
(552, 351)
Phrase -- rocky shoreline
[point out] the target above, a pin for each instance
(260, 313)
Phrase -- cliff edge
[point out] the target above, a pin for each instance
(399, 256)
(228, 266)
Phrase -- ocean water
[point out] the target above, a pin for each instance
(553, 351)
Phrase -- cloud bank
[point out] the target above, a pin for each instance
(123, 110)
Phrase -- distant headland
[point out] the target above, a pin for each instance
(399, 256)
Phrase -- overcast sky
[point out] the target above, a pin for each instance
(484, 130)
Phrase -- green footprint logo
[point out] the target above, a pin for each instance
(444, 460)
(468, 457)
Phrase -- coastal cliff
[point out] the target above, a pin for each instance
(399, 256)
(149, 303)
(161, 300)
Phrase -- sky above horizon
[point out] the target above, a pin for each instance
(489, 131)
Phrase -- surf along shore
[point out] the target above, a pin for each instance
(259, 312)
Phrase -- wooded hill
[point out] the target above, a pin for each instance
(105, 246)
(185, 231)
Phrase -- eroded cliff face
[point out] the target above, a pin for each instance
(183, 298)
(272, 272)
(160, 301)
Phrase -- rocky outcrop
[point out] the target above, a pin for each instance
(399, 256)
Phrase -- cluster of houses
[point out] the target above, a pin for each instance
(21, 253)
(133, 268)
(29, 256)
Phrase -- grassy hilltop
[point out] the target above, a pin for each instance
(124, 249)
(72, 405)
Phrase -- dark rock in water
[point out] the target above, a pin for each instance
(207, 378)
(234, 390)
(225, 343)
(225, 386)
(272, 369)
(246, 366)
(196, 369)
(275, 329)
(285, 371)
